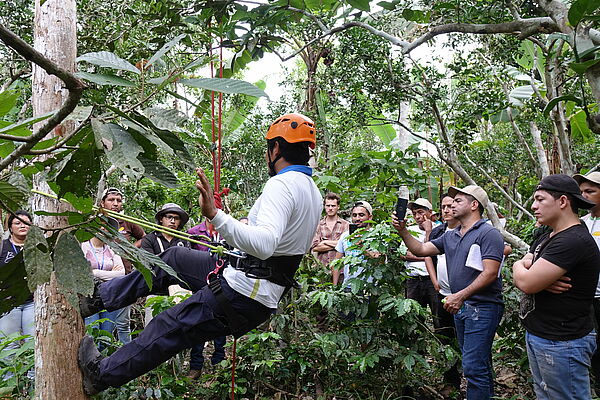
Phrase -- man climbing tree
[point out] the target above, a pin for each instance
(236, 299)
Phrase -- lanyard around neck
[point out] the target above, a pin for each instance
(100, 266)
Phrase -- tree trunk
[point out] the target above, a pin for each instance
(59, 327)
(539, 150)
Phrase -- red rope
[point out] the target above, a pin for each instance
(233, 370)
(218, 171)
(212, 113)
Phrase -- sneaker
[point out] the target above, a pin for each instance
(194, 374)
(88, 358)
(91, 305)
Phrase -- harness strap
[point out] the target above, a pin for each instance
(235, 321)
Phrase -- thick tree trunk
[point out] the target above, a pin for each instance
(59, 327)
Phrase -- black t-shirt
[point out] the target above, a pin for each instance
(565, 316)
(9, 251)
(151, 244)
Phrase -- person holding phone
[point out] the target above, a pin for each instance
(473, 252)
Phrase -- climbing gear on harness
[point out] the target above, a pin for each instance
(293, 128)
(235, 321)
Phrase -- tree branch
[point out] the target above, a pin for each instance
(72, 83)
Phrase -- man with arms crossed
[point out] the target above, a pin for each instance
(473, 255)
(555, 310)
(328, 232)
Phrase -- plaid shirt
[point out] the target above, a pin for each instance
(324, 233)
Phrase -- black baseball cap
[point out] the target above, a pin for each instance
(562, 183)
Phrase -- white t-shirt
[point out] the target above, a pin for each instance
(416, 268)
(442, 273)
(593, 225)
(342, 247)
(282, 222)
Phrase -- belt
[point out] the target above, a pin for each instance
(419, 277)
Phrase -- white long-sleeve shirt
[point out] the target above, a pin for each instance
(282, 222)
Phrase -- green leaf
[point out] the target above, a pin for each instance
(385, 132)
(104, 79)
(579, 8)
(163, 50)
(37, 258)
(6, 148)
(166, 119)
(386, 5)
(10, 196)
(360, 4)
(579, 127)
(109, 60)
(13, 286)
(121, 149)
(27, 122)
(158, 173)
(233, 86)
(81, 172)
(552, 103)
(520, 94)
(73, 272)
(8, 99)
(418, 16)
(580, 68)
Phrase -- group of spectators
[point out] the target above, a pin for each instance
(454, 267)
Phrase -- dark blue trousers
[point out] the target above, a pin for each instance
(197, 353)
(193, 321)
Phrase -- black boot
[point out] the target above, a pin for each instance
(91, 305)
(89, 359)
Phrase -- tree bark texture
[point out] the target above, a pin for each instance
(59, 327)
(539, 149)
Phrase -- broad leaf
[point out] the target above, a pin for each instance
(10, 196)
(579, 8)
(385, 132)
(37, 258)
(158, 173)
(552, 103)
(520, 94)
(8, 99)
(360, 4)
(166, 119)
(233, 86)
(164, 49)
(81, 172)
(6, 148)
(13, 128)
(104, 79)
(109, 60)
(580, 68)
(579, 127)
(121, 149)
(13, 284)
(73, 272)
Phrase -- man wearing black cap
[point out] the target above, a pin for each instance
(558, 278)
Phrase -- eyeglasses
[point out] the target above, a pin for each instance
(358, 214)
(172, 217)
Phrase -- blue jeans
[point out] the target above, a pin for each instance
(108, 326)
(560, 369)
(122, 323)
(20, 321)
(197, 356)
(476, 324)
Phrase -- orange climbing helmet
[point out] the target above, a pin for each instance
(293, 128)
